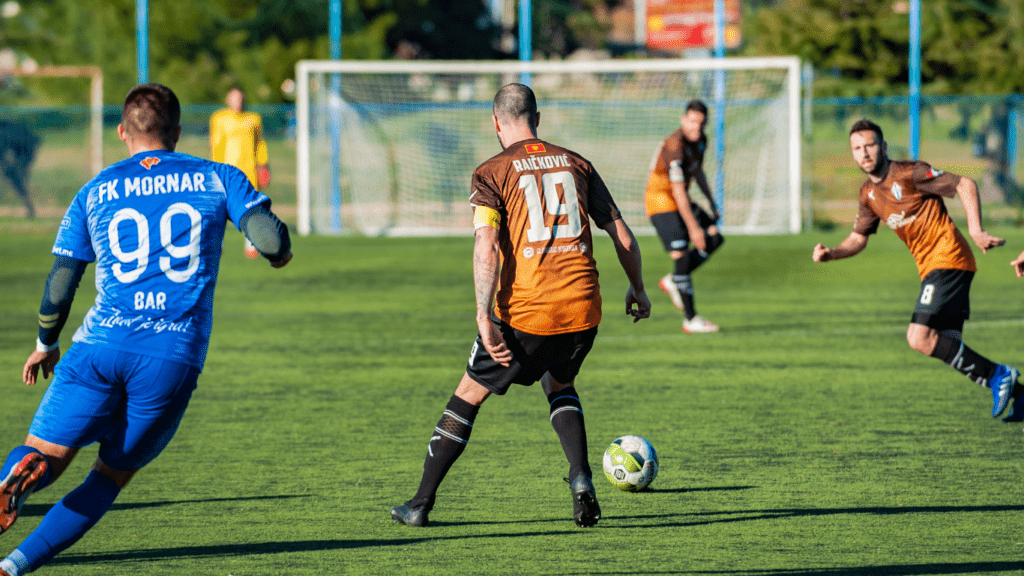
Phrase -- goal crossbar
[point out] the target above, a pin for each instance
(307, 68)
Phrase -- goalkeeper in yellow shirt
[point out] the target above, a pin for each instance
(236, 138)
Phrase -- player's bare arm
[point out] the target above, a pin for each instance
(486, 266)
(702, 182)
(1018, 265)
(851, 246)
(629, 257)
(682, 199)
(967, 190)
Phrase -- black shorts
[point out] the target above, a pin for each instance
(672, 230)
(944, 302)
(532, 356)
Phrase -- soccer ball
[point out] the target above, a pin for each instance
(630, 463)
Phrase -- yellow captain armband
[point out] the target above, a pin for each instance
(484, 216)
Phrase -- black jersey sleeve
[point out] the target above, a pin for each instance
(600, 203)
(58, 295)
(266, 232)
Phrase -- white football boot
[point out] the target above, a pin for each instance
(699, 325)
(669, 287)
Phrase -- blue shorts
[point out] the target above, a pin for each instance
(131, 404)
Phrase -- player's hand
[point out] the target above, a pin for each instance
(1018, 265)
(263, 177)
(283, 262)
(699, 241)
(494, 342)
(984, 240)
(37, 360)
(821, 253)
(643, 304)
(716, 214)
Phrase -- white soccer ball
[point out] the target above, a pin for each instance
(630, 463)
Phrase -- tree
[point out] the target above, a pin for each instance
(862, 48)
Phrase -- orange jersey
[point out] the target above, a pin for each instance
(676, 160)
(236, 138)
(545, 196)
(909, 199)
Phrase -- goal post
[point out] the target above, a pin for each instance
(388, 147)
(95, 76)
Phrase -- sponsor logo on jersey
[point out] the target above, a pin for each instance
(897, 191)
(899, 220)
(530, 252)
(64, 252)
(535, 148)
(149, 162)
(871, 194)
(933, 172)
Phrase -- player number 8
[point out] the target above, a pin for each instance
(926, 294)
(140, 256)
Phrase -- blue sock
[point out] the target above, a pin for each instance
(15, 456)
(69, 519)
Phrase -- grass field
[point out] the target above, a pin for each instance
(804, 439)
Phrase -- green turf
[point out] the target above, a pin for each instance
(804, 439)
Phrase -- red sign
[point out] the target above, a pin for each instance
(682, 24)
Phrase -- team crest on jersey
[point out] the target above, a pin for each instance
(897, 191)
(149, 162)
(535, 148)
(871, 194)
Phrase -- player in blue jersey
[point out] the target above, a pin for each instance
(154, 225)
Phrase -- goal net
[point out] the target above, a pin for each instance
(388, 148)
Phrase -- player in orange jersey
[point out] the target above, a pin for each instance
(678, 220)
(537, 294)
(236, 138)
(908, 196)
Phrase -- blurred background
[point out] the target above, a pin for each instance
(854, 52)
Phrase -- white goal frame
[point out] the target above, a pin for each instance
(305, 68)
(95, 75)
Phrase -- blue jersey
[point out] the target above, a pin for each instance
(154, 225)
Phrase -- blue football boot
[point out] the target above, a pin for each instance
(1002, 383)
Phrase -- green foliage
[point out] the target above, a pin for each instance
(861, 48)
(805, 438)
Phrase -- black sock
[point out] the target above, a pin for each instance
(712, 242)
(971, 364)
(567, 420)
(446, 444)
(684, 284)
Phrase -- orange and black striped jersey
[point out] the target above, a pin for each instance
(545, 196)
(909, 200)
(676, 160)
(236, 138)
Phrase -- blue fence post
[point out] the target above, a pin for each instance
(335, 111)
(720, 108)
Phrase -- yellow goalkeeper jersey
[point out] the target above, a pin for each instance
(236, 138)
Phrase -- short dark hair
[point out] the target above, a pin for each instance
(152, 111)
(697, 105)
(864, 124)
(516, 102)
